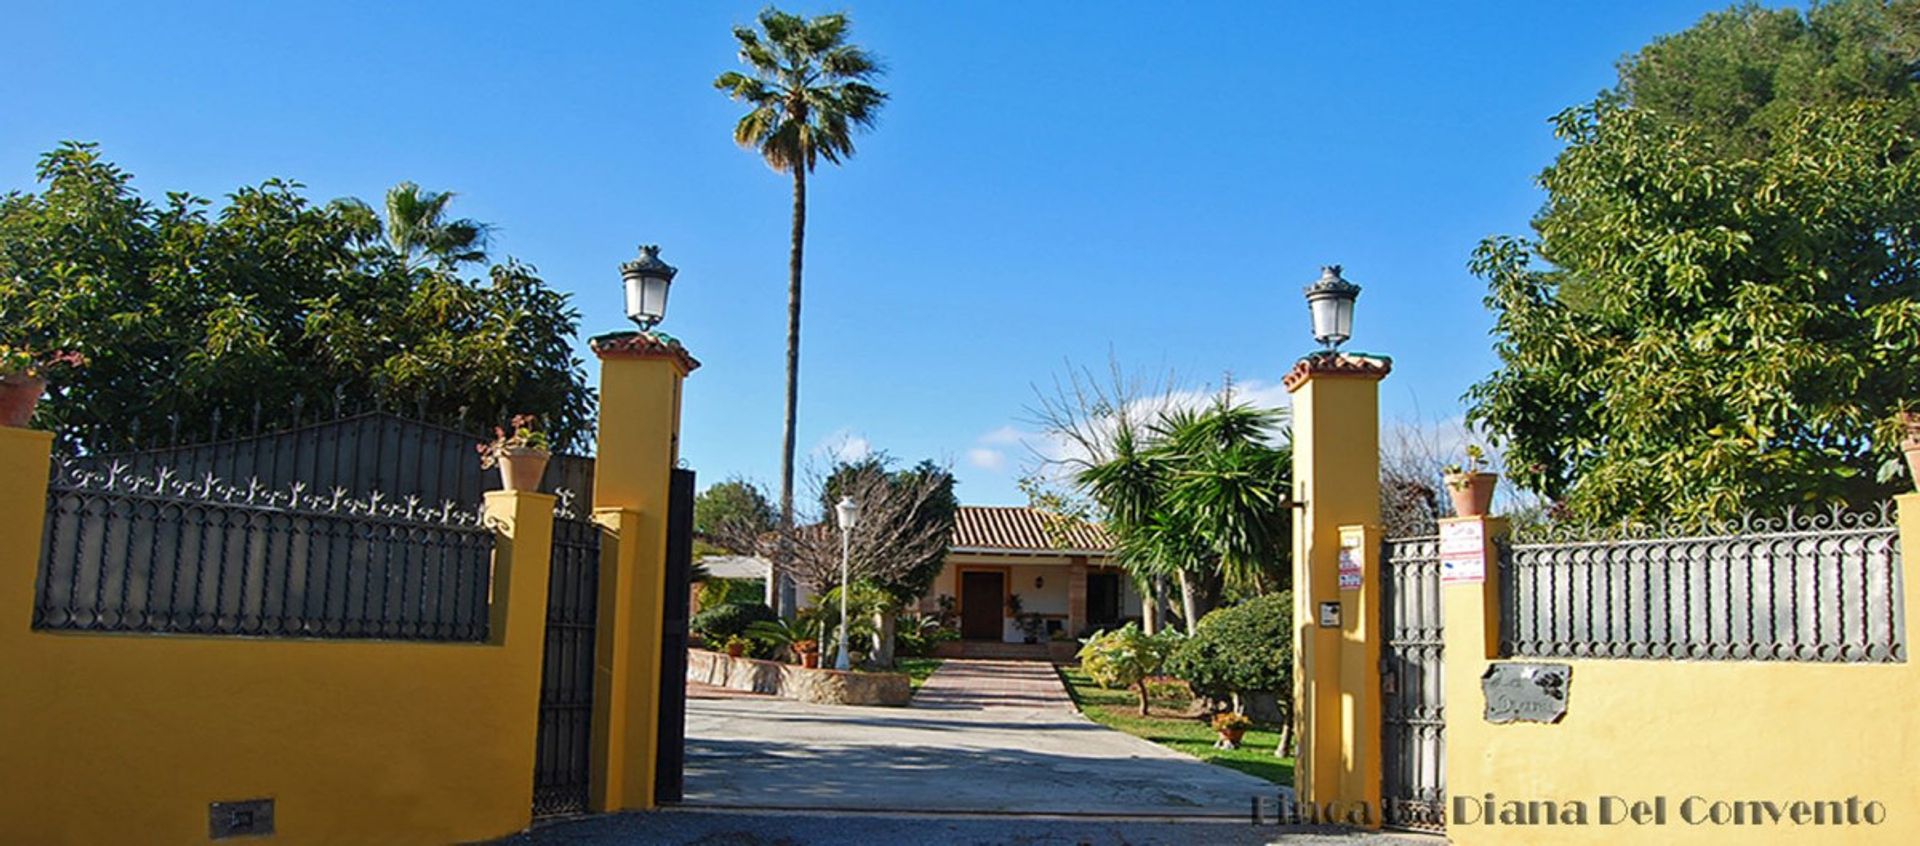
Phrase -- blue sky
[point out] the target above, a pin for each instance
(1051, 182)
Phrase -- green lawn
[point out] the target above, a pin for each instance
(917, 669)
(1120, 709)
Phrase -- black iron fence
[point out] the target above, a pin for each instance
(162, 553)
(1822, 586)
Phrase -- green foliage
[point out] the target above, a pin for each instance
(1246, 648)
(715, 625)
(1721, 310)
(917, 634)
(808, 92)
(270, 302)
(721, 591)
(1126, 657)
(734, 515)
(1201, 493)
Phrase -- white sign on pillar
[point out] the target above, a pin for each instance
(1351, 572)
(1463, 552)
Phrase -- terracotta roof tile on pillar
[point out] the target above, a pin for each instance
(643, 345)
(1337, 364)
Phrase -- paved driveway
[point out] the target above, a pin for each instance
(982, 736)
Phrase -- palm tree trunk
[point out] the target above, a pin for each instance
(793, 379)
(1189, 600)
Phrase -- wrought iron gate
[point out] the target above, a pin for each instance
(561, 763)
(1413, 726)
(669, 775)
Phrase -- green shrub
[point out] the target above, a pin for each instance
(715, 625)
(1126, 657)
(915, 635)
(716, 592)
(1246, 648)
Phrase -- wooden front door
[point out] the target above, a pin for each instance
(981, 596)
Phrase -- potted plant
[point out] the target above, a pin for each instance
(1231, 727)
(809, 651)
(1471, 487)
(23, 379)
(1910, 444)
(1033, 627)
(522, 454)
(736, 646)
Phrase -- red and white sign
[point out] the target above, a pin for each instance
(1463, 552)
(1351, 558)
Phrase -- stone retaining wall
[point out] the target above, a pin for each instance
(821, 687)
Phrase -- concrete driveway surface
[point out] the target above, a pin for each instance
(838, 828)
(989, 753)
(980, 737)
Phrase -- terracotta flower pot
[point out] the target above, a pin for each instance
(1472, 493)
(810, 660)
(735, 650)
(522, 467)
(19, 394)
(1232, 736)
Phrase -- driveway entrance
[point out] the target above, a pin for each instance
(981, 736)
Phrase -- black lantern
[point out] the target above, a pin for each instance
(1330, 300)
(647, 279)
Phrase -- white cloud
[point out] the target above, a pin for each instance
(987, 459)
(843, 446)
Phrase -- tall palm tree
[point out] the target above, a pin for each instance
(419, 230)
(808, 91)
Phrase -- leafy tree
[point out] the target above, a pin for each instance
(1240, 650)
(734, 515)
(269, 305)
(1721, 305)
(1126, 657)
(809, 90)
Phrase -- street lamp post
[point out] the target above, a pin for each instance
(848, 512)
(1330, 301)
(647, 279)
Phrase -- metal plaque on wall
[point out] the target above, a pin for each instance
(1525, 692)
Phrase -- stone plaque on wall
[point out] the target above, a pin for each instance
(1526, 692)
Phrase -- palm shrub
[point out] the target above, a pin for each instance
(1243, 649)
(716, 625)
(1126, 657)
(918, 634)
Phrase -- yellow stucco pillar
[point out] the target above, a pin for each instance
(639, 444)
(24, 463)
(1336, 478)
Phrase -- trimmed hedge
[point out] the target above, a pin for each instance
(715, 625)
(1247, 648)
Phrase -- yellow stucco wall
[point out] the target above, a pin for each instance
(1721, 730)
(127, 738)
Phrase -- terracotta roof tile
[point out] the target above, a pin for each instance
(1018, 527)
